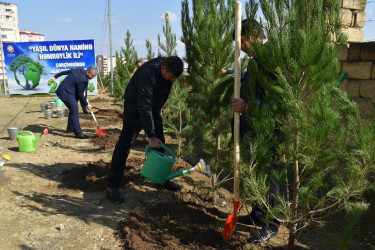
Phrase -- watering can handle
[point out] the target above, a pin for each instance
(24, 131)
(162, 146)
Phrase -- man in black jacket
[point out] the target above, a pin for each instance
(72, 89)
(145, 95)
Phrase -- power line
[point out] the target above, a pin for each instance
(104, 28)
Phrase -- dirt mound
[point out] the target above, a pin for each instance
(107, 141)
(93, 177)
(109, 112)
(190, 223)
(99, 99)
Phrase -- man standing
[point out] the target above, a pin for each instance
(72, 89)
(145, 95)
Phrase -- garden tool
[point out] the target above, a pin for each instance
(158, 166)
(99, 131)
(231, 221)
(27, 141)
(4, 159)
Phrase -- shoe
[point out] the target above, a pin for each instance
(265, 234)
(172, 186)
(85, 111)
(114, 195)
(254, 218)
(82, 136)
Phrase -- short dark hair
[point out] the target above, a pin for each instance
(245, 29)
(174, 65)
(138, 61)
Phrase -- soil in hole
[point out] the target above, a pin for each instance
(189, 223)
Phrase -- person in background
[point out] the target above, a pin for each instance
(72, 89)
(138, 63)
(145, 95)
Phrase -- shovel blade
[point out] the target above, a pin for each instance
(101, 132)
(230, 225)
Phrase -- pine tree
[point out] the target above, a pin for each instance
(207, 34)
(326, 153)
(170, 44)
(125, 67)
(150, 54)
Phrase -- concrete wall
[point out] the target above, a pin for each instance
(353, 19)
(358, 60)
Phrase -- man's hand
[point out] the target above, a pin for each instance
(154, 142)
(89, 106)
(240, 106)
(223, 72)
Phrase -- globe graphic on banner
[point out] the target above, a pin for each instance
(27, 72)
(31, 75)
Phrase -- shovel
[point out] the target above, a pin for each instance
(230, 223)
(99, 132)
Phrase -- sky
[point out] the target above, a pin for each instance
(88, 19)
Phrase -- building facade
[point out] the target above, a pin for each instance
(103, 64)
(9, 32)
(31, 36)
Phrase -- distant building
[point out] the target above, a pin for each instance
(9, 31)
(103, 64)
(31, 36)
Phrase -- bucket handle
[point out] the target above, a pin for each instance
(162, 146)
(24, 132)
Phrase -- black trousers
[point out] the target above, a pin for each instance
(130, 129)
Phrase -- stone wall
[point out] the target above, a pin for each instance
(353, 19)
(358, 60)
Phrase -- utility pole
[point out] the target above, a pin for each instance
(110, 42)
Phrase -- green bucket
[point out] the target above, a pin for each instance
(58, 101)
(158, 166)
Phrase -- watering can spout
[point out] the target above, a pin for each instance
(36, 140)
(185, 171)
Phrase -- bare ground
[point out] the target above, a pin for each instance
(54, 198)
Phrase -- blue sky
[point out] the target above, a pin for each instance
(87, 19)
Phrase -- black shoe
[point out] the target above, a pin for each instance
(85, 111)
(265, 234)
(172, 186)
(114, 195)
(82, 136)
(254, 218)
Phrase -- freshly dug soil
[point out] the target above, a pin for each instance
(93, 176)
(99, 99)
(107, 141)
(109, 112)
(182, 224)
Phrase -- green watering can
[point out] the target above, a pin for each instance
(58, 101)
(158, 166)
(27, 141)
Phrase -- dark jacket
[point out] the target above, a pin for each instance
(74, 84)
(147, 93)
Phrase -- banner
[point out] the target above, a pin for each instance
(31, 65)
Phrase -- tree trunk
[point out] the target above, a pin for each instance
(292, 231)
(214, 177)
